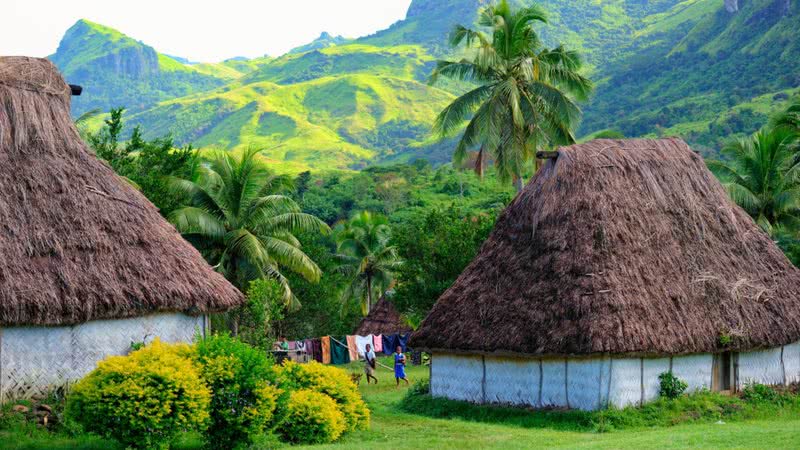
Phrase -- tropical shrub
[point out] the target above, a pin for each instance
(756, 392)
(144, 399)
(332, 382)
(671, 386)
(244, 392)
(311, 418)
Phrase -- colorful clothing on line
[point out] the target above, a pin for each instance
(352, 348)
(377, 343)
(361, 344)
(339, 351)
(399, 366)
(326, 349)
(389, 343)
(316, 349)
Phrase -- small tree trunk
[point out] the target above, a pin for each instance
(479, 165)
(518, 183)
(369, 294)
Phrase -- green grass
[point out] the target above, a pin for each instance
(468, 426)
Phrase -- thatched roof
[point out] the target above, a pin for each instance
(382, 319)
(620, 246)
(78, 243)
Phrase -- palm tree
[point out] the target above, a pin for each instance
(236, 216)
(366, 257)
(525, 95)
(763, 177)
(789, 119)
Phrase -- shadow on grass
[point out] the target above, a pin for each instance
(700, 407)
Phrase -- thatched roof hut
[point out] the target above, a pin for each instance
(382, 319)
(79, 244)
(621, 248)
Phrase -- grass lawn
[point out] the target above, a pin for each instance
(392, 428)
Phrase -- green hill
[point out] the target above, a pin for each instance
(116, 70)
(701, 69)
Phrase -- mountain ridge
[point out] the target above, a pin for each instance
(644, 56)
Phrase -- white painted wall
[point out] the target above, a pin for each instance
(512, 381)
(761, 366)
(34, 359)
(458, 377)
(593, 383)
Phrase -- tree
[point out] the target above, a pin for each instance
(789, 119)
(147, 165)
(236, 216)
(525, 97)
(366, 258)
(436, 245)
(763, 177)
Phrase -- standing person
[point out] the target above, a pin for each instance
(369, 363)
(399, 366)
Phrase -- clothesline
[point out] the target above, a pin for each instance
(343, 349)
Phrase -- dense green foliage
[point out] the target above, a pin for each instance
(525, 95)
(244, 390)
(435, 247)
(146, 164)
(143, 400)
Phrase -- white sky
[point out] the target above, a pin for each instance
(201, 30)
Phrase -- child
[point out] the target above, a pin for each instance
(399, 366)
(369, 363)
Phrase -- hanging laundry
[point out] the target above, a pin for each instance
(402, 341)
(377, 343)
(326, 349)
(389, 343)
(352, 348)
(316, 349)
(339, 351)
(300, 346)
(361, 344)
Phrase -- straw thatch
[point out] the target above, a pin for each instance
(383, 319)
(78, 243)
(620, 247)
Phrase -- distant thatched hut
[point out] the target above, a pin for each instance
(383, 319)
(87, 265)
(619, 261)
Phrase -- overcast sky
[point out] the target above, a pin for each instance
(200, 30)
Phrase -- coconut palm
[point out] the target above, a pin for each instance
(366, 257)
(763, 177)
(236, 216)
(526, 94)
(789, 119)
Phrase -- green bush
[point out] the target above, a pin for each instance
(332, 382)
(311, 418)
(244, 392)
(671, 386)
(144, 399)
(755, 392)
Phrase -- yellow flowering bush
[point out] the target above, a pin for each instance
(333, 382)
(311, 418)
(144, 399)
(244, 392)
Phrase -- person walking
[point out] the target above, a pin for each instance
(399, 366)
(369, 363)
